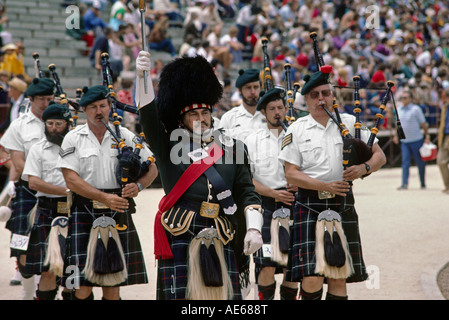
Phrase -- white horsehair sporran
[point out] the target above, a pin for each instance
(333, 259)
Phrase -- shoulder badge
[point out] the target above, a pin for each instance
(66, 152)
(287, 140)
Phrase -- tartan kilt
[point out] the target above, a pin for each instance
(302, 260)
(21, 205)
(172, 273)
(37, 246)
(269, 206)
(80, 224)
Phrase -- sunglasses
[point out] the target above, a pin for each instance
(57, 123)
(316, 94)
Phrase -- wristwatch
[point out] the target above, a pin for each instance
(367, 167)
(139, 186)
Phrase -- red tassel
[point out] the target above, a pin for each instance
(162, 249)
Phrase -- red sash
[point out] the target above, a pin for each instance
(194, 171)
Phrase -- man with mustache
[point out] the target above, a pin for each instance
(240, 121)
(207, 182)
(88, 160)
(269, 180)
(42, 175)
(312, 152)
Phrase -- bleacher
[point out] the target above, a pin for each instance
(41, 26)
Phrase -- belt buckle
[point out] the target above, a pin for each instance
(209, 210)
(325, 195)
(63, 208)
(99, 205)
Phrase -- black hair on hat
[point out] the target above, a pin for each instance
(184, 82)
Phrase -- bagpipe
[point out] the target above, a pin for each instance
(355, 150)
(268, 84)
(130, 167)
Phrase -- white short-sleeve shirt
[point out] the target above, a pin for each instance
(239, 123)
(263, 150)
(318, 150)
(23, 133)
(41, 163)
(93, 161)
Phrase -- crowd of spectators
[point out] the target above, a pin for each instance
(403, 41)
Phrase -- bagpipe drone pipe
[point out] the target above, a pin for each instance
(267, 84)
(290, 93)
(59, 90)
(130, 167)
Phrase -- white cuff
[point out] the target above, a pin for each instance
(142, 98)
(254, 219)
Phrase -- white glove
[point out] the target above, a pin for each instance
(143, 63)
(11, 189)
(253, 238)
(252, 242)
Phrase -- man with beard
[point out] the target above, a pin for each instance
(277, 195)
(24, 132)
(240, 121)
(42, 175)
(210, 208)
(89, 163)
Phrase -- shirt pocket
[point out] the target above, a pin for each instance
(89, 157)
(312, 154)
(31, 138)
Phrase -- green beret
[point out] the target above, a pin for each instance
(40, 87)
(56, 111)
(246, 76)
(270, 95)
(93, 94)
(316, 79)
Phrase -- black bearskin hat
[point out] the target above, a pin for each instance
(183, 82)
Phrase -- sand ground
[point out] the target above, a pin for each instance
(404, 236)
